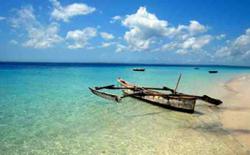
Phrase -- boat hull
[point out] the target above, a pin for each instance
(185, 105)
(178, 102)
(139, 69)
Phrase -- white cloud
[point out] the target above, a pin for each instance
(196, 43)
(186, 45)
(38, 36)
(147, 32)
(120, 48)
(2, 18)
(115, 18)
(81, 37)
(24, 18)
(223, 52)
(195, 27)
(108, 44)
(243, 40)
(106, 36)
(238, 48)
(220, 37)
(143, 27)
(43, 37)
(66, 12)
(185, 31)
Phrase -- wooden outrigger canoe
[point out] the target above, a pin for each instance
(169, 99)
(176, 102)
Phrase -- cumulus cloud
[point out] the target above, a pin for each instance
(194, 27)
(143, 27)
(64, 13)
(238, 48)
(183, 32)
(43, 37)
(147, 32)
(80, 38)
(106, 36)
(24, 18)
(196, 43)
(38, 35)
(189, 44)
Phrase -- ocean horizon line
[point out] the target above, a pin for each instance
(114, 63)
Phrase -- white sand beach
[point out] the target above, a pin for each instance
(235, 116)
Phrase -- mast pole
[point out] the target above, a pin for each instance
(177, 84)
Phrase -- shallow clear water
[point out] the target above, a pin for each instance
(49, 110)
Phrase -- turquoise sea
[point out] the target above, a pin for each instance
(48, 109)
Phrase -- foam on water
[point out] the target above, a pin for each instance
(49, 110)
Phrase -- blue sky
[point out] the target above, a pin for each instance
(171, 32)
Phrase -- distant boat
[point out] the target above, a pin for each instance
(212, 72)
(196, 68)
(139, 69)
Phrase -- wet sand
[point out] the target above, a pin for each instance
(235, 116)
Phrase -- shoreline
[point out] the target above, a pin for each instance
(235, 113)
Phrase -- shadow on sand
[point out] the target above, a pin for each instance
(145, 114)
(216, 128)
(235, 108)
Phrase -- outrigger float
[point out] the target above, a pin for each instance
(163, 97)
